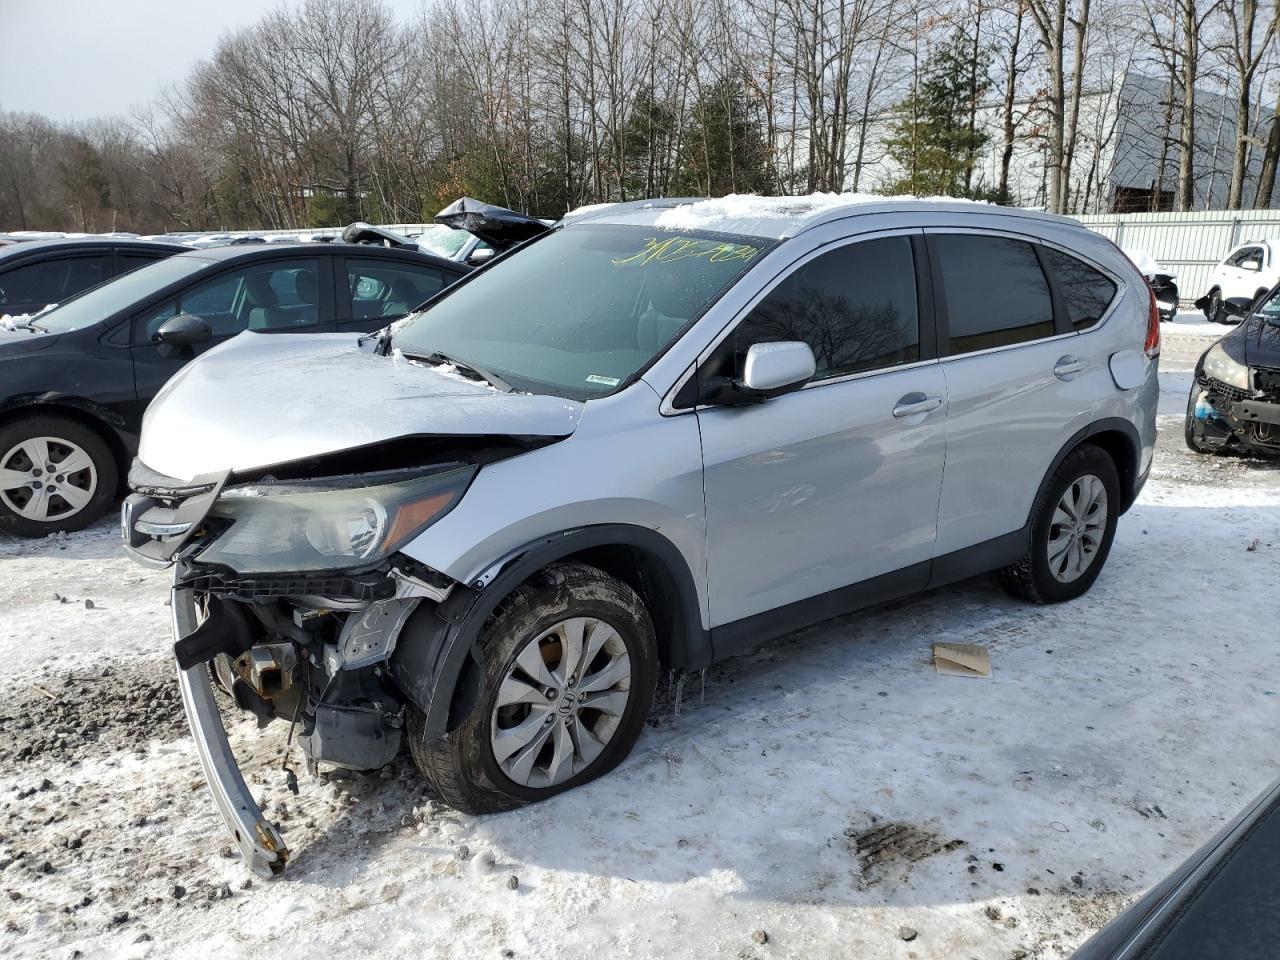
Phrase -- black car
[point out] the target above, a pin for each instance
(1235, 399)
(36, 273)
(1222, 903)
(74, 381)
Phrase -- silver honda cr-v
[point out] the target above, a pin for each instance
(653, 437)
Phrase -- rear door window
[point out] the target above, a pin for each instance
(35, 283)
(49, 281)
(1086, 292)
(995, 293)
(856, 307)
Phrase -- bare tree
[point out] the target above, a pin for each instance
(1246, 52)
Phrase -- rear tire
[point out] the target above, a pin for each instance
(532, 681)
(1072, 526)
(69, 499)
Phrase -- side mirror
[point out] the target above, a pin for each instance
(480, 255)
(770, 370)
(184, 330)
(1237, 306)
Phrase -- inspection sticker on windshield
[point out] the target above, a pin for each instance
(603, 381)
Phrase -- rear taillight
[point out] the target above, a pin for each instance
(1152, 347)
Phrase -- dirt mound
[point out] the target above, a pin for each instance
(65, 717)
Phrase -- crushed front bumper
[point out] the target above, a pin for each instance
(263, 848)
(1222, 416)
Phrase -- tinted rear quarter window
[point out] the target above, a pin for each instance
(131, 261)
(994, 290)
(1086, 292)
(855, 307)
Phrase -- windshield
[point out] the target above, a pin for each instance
(579, 312)
(100, 302)
(1270, 308)
(443, 241)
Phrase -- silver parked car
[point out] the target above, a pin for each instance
(655, 436)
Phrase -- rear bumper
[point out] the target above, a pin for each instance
(259, 842)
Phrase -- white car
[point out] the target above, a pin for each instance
(1250, 270)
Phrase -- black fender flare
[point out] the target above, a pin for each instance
(438, 647)
(1128, 472)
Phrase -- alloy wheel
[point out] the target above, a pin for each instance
(1077, 527)
(560, 702)
(47, 479)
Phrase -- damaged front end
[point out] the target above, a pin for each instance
(291, 595)
(1234, 406)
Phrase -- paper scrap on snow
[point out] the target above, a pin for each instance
(961, 660)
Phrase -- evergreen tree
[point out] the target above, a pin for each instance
(934, 140)
(725, 150)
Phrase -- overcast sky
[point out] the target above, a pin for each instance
(78, 59)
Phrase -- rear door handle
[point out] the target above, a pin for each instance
(915, 403)
(1068, 366)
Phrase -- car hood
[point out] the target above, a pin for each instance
(260, 400)
(499, 227)
(1255, 342)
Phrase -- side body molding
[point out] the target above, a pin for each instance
(431, 659)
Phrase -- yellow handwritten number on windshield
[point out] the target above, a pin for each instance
(669, 249)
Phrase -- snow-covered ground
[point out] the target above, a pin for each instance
(831, 796)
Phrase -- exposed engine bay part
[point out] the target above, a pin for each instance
(1221, 417)
(300, 660)
(269, 670)
(356, 724)
(370, 636)
(259, 842)
(225, 629)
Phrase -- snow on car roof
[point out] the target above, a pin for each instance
(776, 217)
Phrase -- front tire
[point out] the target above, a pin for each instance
(1189, 424)
(56, 476)
(1213, 312)
(570, 667)
(1072, 527)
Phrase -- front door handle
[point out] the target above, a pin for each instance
(1068, 366)
(915, 403)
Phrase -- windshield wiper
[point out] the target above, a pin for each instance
(478, 373)
(25, 325)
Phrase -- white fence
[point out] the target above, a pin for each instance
(1188, 244)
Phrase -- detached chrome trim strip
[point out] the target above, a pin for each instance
(260, 843)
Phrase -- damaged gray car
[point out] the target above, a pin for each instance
(660, 434)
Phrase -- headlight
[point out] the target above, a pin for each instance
(1221, 367)
(330, 524)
